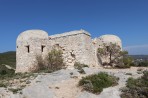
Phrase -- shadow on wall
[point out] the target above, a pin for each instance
(99, 59)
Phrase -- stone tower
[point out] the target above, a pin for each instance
(30, 43)
(105, 39)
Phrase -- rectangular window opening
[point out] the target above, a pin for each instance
(107, 47)
(28, 48)
(42, 47)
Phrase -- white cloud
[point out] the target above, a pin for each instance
(137, 49)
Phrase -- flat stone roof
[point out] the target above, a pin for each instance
(76, 32)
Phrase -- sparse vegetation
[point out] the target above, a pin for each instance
(53, 62)
(141, 63)
(140, 60)
(80, 67)
(136, 88)
(11, 80)
(81, 71)
(117, 57)
(16, 90)
(127, 61)
(3, 84)
(4, 70)
(8, 58)
(128, 74)
(16, 76)
(8, 77)
(95, 83)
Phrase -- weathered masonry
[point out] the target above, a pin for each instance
(77, 46)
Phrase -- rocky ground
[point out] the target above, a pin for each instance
(63, 84)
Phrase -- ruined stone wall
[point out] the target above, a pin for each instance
(76, 47)
(97, 43)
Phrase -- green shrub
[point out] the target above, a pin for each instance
(80, 66)
(128, 74)
(8, 58)
(81, 71)
(4, 70)
(53, 62)
(125, 62)
(3, 84)
(7, 79)
(95, 83)
(16, 76)
(142, 64)
(15, 90)
(137, 88)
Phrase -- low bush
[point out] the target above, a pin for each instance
(9, 81)
(81, 71)
(141, 63)
(8, 58)
(15, 90)
(4, 70)
(16, 76)
(53, 62)
(136, 88)
(125, 62)
(128, 74)
(80, 67)
(95, 83)
(2, 84)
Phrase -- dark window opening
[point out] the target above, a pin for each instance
(42, 47)
(17, 46)
(57, 45)
(73, 55)
(28, 48)
(107, 47)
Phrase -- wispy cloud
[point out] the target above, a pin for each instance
(137, 49)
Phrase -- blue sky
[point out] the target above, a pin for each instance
(126, 18)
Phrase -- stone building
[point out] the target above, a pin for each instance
(77, 46)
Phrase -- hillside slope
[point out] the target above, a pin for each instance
(8, 58)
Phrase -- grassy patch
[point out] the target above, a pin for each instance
(80, 67)
(16, 76)
(136, 88)
(15, 90)
(15, 80)
(95, 83)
